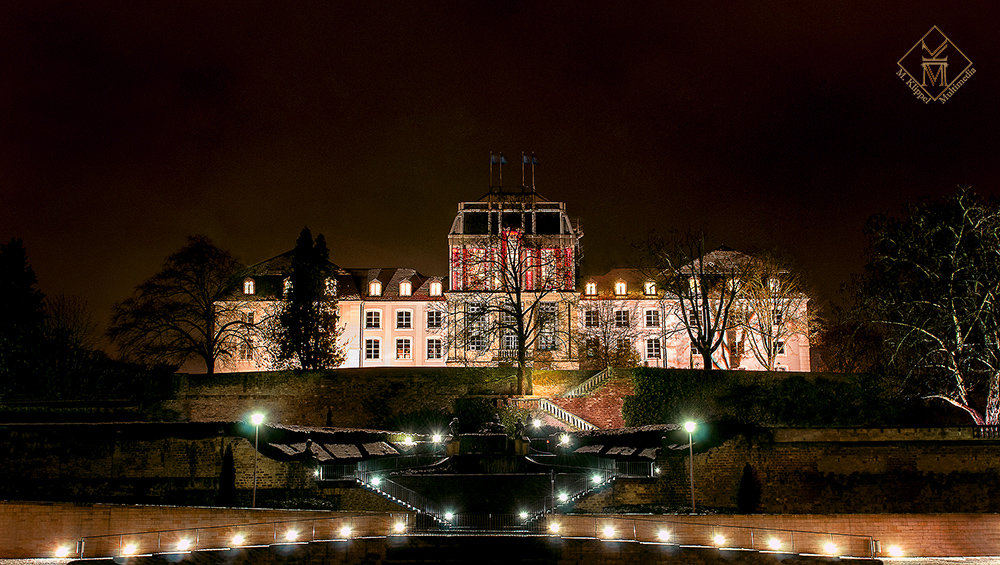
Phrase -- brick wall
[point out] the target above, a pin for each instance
(603, 407)
(37, 529)
(137, 463)
(846, 475)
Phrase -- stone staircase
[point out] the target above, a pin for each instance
(594, 404)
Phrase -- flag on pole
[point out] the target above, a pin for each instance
(493, 159)
(525, 159)
(503, 160)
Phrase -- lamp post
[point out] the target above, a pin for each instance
(689, 427)
(256, 420)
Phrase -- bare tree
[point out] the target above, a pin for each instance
(706, 286)
(186, 310)
(773, 308)
(513, 308)
(609, 330)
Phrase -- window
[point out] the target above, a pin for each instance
(780, 348)
(593, 346)
(508, 342)
(623, 347)
(372, 349)
(548, 318)
(331, 287)
(375, 288)
(247, 318)
(435, 319)
(621, 288)
(653, 348)
(477, 342)
(778, 318)
(652, 318)
(694, 351)
(590, 289)
(403, 348)
(405, 288)
(694, 285)
(590, 319)
(435, 348)
(649, 288)
(287, 286)
(621, 318)
(246, 351)
(436, 288)
(693, 320)
(403, 319)
(248, 286)
(373, 319)
(475, 326)
(773, 284)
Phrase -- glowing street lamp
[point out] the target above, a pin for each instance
(256, 419)
(689, 428)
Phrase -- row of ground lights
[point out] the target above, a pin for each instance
(291, 535)
(238, 539)
(774, 544)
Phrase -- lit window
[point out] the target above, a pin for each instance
(649, 288)
(593, 345)
(403, 319)
(248, 286)
(652, 318)
(653, 348)
(773, 284)
(780, 348)
(403, 348)
(435, 348)
(372, 349)
(694, 284)
(405, 288)
(621, 288)
(590, 289)
(436, 288)
(373, 319)
(287, 286)
(435, 319)
(590, 319)
(621, 319)
(331, 287)
(375, 288)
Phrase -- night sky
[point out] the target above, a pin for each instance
(126, 126)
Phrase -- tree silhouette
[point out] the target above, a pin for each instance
(186, 310)
(307, 329)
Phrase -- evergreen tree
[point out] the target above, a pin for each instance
(307, 331)
(22, 317)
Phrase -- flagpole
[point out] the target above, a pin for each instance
(522, 171)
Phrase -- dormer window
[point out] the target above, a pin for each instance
(590, 289)
(375, 288)
(649, 288)
(248, 286)
(405, 288)
(621, 288)
(436, 288)
(331, 287)
(287, 285)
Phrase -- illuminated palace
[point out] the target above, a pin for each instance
(513, 279)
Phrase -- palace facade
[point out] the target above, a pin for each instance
(514, 260)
